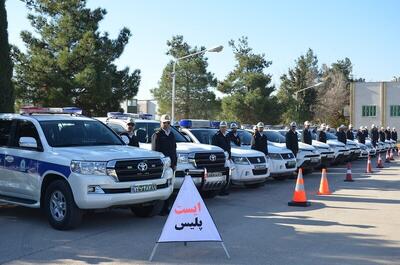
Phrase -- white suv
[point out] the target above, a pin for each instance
(66, 164)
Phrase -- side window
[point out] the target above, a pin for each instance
(116, 128)
(25, 129)
(141, 131)
(5, 129)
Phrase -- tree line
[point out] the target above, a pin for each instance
(68, 62)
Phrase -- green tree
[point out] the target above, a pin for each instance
(248, 87)
(6, 67)
(304, 74)
(69, 62)
(193, 95)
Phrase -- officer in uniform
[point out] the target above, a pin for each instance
(349, 133)
(388, 133)
(163, 140)
(360, 135)
(222, 140)
(306, 135)
(382, 135)
(292, 141)
(374, 135)
(259, 141)
(394, 134)
(365, 131)
(233, 135)
(341, 135)
(133, 140)
(321, 133)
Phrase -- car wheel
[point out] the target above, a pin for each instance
(60, 207)
(147, 210)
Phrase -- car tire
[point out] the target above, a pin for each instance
(147, 210)
(60, 207)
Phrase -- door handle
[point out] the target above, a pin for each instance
(9, 159)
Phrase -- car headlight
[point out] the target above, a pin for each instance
(275, 156)
(240, 160)
(89, 167)
(183, 158)
(166, 162)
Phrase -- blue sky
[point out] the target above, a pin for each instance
(368, 32)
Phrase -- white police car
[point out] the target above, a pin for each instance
(66, 163)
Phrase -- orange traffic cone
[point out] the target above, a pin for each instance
(391, 155)
(380, 163)
(348, 174)
(324, 185)
(387, 160)
(369, 165)
(299, 196)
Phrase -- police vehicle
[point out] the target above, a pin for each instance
(67, 163)
(207, 165)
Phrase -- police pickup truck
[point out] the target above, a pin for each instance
(67, 163)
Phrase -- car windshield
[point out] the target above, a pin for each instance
(204, 135)
(145, 130)
(330, 136)
(245, 137)
(65, 133)
(275, 136)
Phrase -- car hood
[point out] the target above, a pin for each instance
(272, 148)
(316, 143)
(190, 147)
(335, 142)
(104, 153)
(245, 152)
(302, 146)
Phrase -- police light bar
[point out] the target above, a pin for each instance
(66, 110)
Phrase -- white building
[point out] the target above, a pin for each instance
(375, 103)
(141, 107)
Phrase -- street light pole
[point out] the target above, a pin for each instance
(215, 49)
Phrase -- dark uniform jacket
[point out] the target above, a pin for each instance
(350, 135)
(321, 136)
(341, 135)
(234, 139)
(292, 142)
(222, 141)
(388, 134)
(374, 136)
(360, 137)
(260, 143)
(394, 136)
(133, 141)
(365, 132)
(165, 144)
(306, 137)
(382, 136)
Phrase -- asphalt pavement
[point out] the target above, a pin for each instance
(358, 224)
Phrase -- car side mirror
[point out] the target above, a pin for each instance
(28, 142)
(125, 139)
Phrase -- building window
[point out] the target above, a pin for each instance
(369, 111)
(395, 111)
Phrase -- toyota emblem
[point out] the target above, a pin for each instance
(142, 166)
(213, 157)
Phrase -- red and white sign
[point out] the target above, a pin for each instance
(189, 219)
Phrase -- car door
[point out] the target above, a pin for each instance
(22, 163)
(6, 180)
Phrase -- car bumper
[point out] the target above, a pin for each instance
(249, 173)
(111, 193)
(308, 163)
(282, 167)
(202, 182)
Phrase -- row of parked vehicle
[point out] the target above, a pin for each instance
(65, 163)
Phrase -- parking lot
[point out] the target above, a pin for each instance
(357, 224)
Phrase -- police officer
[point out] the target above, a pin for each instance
(374, 135)
(259, 141)
(341, 135)
(163, 140)
(222, 140)
(394, 134)
(321, 133)
(133, 140)
(382, 137)
(233, 135)
(365, 132)
(328, 128)
(292, 141)
(349, 133)
(388, 133)
(360, 135)
(306, 135)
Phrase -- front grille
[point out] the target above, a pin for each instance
(203, 160)
(260, 171)
(311, 156)
(292, 165)
(287, 156)
(257, 160)
(128, 190)
(128, 170)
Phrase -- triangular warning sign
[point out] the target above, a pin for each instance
(189, 219)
